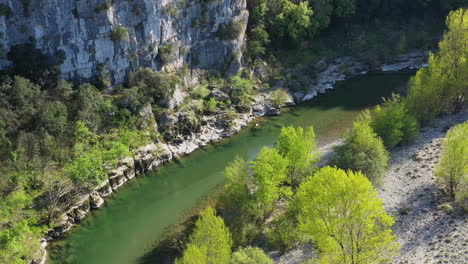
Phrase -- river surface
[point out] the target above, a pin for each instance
(134, 220)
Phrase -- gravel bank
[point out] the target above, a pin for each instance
(430, 228)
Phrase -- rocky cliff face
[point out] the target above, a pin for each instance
(161, 34)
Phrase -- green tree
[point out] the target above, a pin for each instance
(392, 122)
(343, 214)
(53, 117)
(88, 99)
(363, 151)
(210, 242)
(270, 172)
(250, 255)
(442, 84)
(293, 20)
(453, 166)
(299, 147)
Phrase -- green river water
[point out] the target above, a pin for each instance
(132, 222)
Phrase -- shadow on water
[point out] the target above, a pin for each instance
(135, 224)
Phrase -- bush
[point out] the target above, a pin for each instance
(362, 151)
(153, 85)
(167, 53)
(278, 97)
(241, 88)
(392, 122)
(453, 166)
(210, 106)
(250, 255)
(119, 33)
(230, 31)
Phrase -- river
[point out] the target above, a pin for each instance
(133, 221)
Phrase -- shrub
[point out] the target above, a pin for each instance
(167, 53)
(230, 31)
(453, 166)
(362, 151)
(210, 106)
(392, 122)
(119, 33)
(153, 85)
(241, 88)
(278, 97)
(250, 255)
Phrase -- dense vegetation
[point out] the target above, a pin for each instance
(59, 139)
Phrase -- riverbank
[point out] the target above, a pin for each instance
(429, 226)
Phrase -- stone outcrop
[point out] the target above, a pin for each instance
(161, 34)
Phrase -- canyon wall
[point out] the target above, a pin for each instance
(123, 35)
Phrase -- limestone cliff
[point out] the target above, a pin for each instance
(161, 34)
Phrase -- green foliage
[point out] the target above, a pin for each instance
(278, 97)
(442, 84)
(453, 166)
(153, 85)
(363, 151)
(284, 232)
(257, 42)
(299, 147)
(53, 117)
(230, 31)
(250, 255)
(392, 122)
(241, 88)
(343, 214)
(119, 33)
(210, 241)
(293, 20)
(270, 172)
(210, 106)
(88, 99)
(167, 53)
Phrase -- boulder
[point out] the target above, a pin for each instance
(96, 201)
(104, 189)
